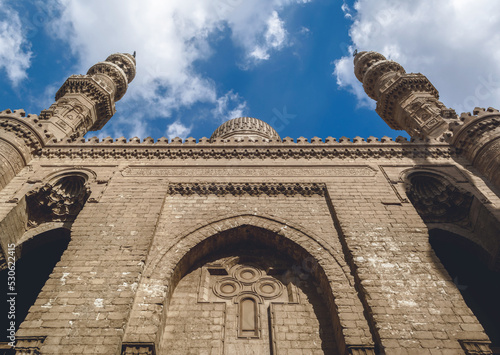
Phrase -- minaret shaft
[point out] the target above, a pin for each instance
(404, 101)
(86, 102)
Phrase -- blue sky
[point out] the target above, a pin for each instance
(287, 62)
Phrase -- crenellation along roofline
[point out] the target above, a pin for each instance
(193, 142)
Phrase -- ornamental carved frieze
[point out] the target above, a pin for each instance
(29, 345)
(476, 347)
(252, 189)
(138, 349)
(324, 171)
(184, 151)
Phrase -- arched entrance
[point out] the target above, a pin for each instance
(39, 256)
(479, 285)
(463, 233)
(245, 292)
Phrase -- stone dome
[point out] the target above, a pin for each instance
(248, 127)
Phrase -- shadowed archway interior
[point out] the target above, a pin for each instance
(479, 285)
(39, 256)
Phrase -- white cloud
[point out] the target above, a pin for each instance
(304, 30)
(15, 51)
(347, 80)
(346, 10)
(177, 129)
(274, 38)
(454, 43)
(229, 106)
(169, 37)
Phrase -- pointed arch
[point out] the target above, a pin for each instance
(185, 240)
(311, 253)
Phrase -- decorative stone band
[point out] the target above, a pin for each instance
(138, 349)
(252, 189)
(184, 151)
(243, 171)
(29, 345)
(360, 350)
(476, 347)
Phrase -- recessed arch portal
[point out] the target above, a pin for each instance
(248, 291)
(311, 254)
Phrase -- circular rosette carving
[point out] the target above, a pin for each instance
(227, 287)
(247, 274)
(268, 288)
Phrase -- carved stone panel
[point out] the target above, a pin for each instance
(247, 303)
(324, 171)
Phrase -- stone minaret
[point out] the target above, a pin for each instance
(405, 101)
(410, 102)
(83, 103)
(86, 102)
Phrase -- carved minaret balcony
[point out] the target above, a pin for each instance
(404, 101)
(86, 102)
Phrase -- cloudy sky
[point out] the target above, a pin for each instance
(287, 62)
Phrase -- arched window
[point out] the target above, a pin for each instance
(248, 320)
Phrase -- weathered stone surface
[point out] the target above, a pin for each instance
(246, 242)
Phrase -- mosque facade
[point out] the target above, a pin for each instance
(247, 242)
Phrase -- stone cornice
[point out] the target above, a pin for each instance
(344, 148)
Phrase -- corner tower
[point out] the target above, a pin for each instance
(83, 103)
(410, 102)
